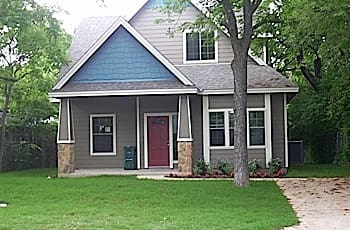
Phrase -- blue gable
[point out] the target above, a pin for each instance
(122, 59)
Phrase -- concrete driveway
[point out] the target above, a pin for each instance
(319, 203)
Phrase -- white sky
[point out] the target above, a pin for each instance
(79, 9)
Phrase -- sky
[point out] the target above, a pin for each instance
(79, 9)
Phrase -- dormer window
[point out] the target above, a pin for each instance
(200, 46)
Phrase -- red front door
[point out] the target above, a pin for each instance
(158, 141)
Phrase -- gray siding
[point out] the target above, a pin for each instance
(278, 141)
(219, 154)
(197, 126)
(172, 48)
(125, 110)
(226, 101)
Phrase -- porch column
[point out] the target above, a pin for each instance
(65, 139)
(184, 138)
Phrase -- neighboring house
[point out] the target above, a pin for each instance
(130, 84)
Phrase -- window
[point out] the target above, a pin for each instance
(200, 46)
(217, 128)
(256, 128)
(103, 133)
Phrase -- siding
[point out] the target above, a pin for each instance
(226, 101)
(172, 48)
(219, 154)
(125, 110)
(277, 111)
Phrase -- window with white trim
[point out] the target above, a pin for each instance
(102, 134)
(256, 128)
(221, 128)
(217, 128)
(200, 46)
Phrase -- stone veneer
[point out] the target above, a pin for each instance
(65, 158)
(185, 150)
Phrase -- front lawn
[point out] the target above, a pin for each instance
(319, 170)
(36, 202)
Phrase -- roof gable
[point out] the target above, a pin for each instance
(87, 67)
(122, 59)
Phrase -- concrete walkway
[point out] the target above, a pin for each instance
(155, 172)
(319, 203)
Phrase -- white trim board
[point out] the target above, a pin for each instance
(122, 93)
(138, 133)
(121, 22)
(250, 91)
(286, 131)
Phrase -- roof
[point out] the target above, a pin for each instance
(93, 32)
(220, 77)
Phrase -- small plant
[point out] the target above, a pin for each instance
(201, 167)
(253, 167)
(275, 165)
(225, 167)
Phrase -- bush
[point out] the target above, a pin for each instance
(201, 167)
(253, 166)
(275, 165)
(225, 167)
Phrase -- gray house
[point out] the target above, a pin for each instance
(130, 84)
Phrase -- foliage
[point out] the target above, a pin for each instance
(114, 203)
(315, 54)
(201, 167)
(318, 170)
(275, 165)
(32, 50)
(253, 166)
(30, 146)
(225, 167)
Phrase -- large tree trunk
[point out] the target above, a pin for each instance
(239, 68)
(8, 90)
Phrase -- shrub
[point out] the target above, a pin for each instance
(225, 167)
(201, 167)
(275, 165)
(253, 166)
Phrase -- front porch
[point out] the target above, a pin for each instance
(93, 133)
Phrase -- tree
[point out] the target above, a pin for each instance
(310, 42)
(32, 44)
(236, 18)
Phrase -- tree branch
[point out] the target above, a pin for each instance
(231, 20)
(309, 77)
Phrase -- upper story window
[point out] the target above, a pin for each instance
(200, 46)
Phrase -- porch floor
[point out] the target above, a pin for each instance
(120, 172)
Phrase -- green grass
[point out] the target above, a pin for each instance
(36, 202)
(319, 170)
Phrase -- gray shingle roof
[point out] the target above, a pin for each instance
(204, 76)
(220, 76)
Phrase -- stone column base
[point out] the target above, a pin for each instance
(185, 150)
(65, 155)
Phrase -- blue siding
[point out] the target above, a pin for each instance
(122, 59)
